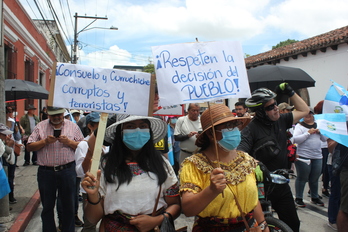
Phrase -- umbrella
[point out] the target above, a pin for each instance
(20, 89)
(269, 76)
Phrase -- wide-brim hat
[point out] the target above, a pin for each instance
(158, 127)
(54, 110)
(216, 115)
(5, 130)
(31, 107)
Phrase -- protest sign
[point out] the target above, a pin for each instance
(200, 72)
(103, 90)
(174, 110)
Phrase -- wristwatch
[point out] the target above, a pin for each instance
(263, 225)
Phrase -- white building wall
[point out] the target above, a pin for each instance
(323, 67)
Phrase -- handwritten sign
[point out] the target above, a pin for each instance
(177, 110)
(200, 72)
(103, 90)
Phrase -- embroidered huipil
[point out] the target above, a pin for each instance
(195, 176)
(139, 196)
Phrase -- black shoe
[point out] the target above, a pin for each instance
(317, 201)
(26, 164)
(13, 200)
(78, 222)
(35, 163)
(299, 202)
(325, 193)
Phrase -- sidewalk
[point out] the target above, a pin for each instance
(27, 195)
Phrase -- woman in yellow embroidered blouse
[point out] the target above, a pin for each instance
(212, 189)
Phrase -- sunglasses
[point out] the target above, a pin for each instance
(271, 107)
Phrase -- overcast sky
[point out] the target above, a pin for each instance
(257, 24)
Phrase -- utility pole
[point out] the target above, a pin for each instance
(76, 34)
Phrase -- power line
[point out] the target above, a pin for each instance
(70, 15)
(31, 9)
(57, 19)
(49, 29)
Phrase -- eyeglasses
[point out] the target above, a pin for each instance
(271, 107)
(230, 125)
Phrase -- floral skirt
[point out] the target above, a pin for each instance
(119, 221)
(213, 224)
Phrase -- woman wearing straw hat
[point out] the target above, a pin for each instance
(132, 176)
(218, 185)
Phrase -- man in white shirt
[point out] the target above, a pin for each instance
(186, 130)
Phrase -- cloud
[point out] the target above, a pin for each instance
(143, 24)
(308, 18)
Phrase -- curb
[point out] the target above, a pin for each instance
(27, 213)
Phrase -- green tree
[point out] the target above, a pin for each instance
(284, 43)
(150, 68)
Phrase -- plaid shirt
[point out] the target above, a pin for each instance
(55, 153)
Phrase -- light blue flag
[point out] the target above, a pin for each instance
(333, 126)
(336, 102)
(4, 186)
(170, 147)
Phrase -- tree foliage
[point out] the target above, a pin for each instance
(150, 68)
(284, 43)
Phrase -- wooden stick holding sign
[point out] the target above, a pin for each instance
(98, 147)
(97, 151)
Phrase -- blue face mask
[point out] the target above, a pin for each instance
(173, 120)
(230, 139)
(135, 139)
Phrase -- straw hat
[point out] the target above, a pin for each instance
(219, 114)
(158, 127)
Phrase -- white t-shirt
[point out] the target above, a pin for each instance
(183, 127)
(139, 196)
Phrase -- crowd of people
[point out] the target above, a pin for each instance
(218, 156)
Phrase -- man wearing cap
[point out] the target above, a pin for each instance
(264, 138)
(5, 138)
(285, 108)
(28, 122)
(76, 114)
(55, 140)
(186, 130)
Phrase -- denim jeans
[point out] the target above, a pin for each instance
(335, 196)
(49, 182)
(324, 170)
(308, 173)
(59, 202)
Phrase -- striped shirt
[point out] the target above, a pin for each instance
(57, 153)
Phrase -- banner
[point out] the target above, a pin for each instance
(200, 72)
(333, 126)
(102, 90)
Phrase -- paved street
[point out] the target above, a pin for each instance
(312, 217)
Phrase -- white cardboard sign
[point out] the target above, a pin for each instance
(200, 72)
(103, 90)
